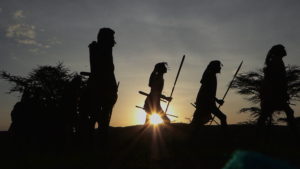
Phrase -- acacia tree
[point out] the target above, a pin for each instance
(249, 84)
(42, 91)
(43, 83)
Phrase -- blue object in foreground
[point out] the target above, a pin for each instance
(254, 160)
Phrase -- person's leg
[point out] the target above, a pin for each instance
(148, 109)
(201, 117)
(196, 116)
(104, 116)
(290, 117)
(165, 118)
(220, 115)
(107, 102)
(263, 131)
(265, 113)
(161, 113)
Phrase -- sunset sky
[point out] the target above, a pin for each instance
(36, 32)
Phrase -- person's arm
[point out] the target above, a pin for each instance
(219, 101)
(166, 98)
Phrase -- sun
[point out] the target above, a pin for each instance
(155, 119)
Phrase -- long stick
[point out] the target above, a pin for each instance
(167, 114)
(182, 60)
(238, 69)
(146, 94)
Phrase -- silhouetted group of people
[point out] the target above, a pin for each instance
(89, 103)
(273, 92)
(274, 96)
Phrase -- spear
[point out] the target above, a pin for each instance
(166, 114)
(238, 69)
(182, 60)
(146, 94)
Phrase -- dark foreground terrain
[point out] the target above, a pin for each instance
(175, 146)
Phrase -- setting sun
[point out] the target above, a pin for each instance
(155, 119)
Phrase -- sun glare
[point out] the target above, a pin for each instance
(140, 116)
(155, 119)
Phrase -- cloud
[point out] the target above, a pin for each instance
(36, 51)
(19, 14)
(1, 10)
(23, 31)
(23, 34)
(27, 34)
(54, 41)
(27, 41)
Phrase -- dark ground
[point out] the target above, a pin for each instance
(175, 146)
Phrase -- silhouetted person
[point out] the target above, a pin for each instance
(206, 98)
(18, 117)
(152, 102)
(274, 94)
(25, 127)
(102, 82)
(69, 107)
(85, 126)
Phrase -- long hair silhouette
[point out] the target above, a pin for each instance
(275, 51)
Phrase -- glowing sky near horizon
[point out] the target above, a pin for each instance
(38, 32)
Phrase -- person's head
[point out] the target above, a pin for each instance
(159, 70)
(161, 67)
(106, 37)
(214, 66)
(276, 52)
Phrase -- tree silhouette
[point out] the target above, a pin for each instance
(249, 85)
(43, 96)
(49, 80)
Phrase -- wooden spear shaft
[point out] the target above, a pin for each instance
(182, 60)
(238, 69)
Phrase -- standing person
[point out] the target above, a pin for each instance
(152, 102)
(69, 107)
(102, 84)
(274, 94)
(206, 98)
